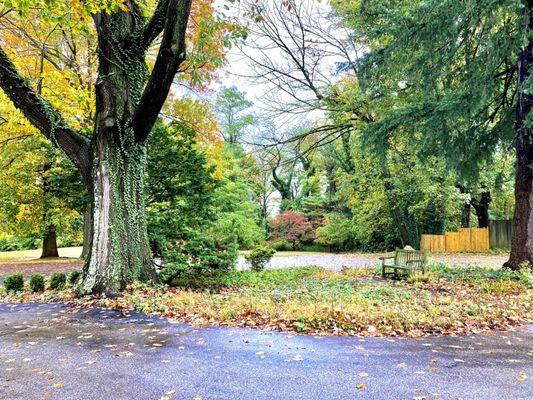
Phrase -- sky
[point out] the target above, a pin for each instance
(238, 70)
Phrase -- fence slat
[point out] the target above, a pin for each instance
(467, 239)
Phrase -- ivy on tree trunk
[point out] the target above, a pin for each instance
(112, 161)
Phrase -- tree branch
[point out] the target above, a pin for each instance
(169, 58)
(44, 116)
(156, 24)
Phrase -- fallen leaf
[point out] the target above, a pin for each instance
(168, 395)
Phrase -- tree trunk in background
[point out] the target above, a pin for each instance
(405, 223)
(50, 243)
(522, 241)
(482, 209)
(465, 215)
(50, 235)
(467, 208)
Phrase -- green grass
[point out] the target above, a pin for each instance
(25, 255)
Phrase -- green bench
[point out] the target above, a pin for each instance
(404, 262)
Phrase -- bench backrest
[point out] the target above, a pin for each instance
(402, 256)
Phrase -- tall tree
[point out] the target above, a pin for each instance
(48, 70)
(463, 69)
(128, 101)
(233, 113)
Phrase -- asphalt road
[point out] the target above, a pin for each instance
(57, 352)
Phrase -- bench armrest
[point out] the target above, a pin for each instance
(386, 258)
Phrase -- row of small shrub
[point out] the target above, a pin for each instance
(36, 283)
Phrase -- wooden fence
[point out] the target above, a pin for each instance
(467, 239)
(501, 233)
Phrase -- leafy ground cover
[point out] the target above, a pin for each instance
(314, 300)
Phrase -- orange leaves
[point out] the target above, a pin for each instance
(209, 36)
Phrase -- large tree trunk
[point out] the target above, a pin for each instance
(522, 241)
(87, 232)
(120, 251)
(128, 102)
(50, 243)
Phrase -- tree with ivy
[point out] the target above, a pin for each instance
(129, 97)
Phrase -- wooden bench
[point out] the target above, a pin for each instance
(405, 262)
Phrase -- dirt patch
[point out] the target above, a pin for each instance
(44, 267)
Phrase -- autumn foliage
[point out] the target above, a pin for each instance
(291, 227)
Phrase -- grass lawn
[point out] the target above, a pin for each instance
(314, 300)
(25, 255)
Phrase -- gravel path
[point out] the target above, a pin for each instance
(56, 352)
(335, 262)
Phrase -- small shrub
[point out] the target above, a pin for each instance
(418, 277)
(14, 283)
(57, 281)
(73, 277)
(36, 283)
(259, 257)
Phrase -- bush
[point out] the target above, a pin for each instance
(259, 257)
(338, 233)
(281, 245)
(37, 283)
(199, 254)
(14, 283)
(57, 281)
(291, 227)
(13, 243)
(73, 277)
(174, 271)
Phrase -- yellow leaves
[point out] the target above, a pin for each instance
(168, 395)
(522, 377)
(67, 85)
(361, 386)
(59, 385)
